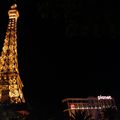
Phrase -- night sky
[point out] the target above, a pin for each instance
(66, 48)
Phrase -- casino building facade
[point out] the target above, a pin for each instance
(91, 105)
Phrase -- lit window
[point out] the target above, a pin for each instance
(72, 106)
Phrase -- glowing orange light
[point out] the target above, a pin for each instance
(72, 106)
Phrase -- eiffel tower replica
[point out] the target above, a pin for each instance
(11, 95)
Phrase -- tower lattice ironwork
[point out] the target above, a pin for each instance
(10, 82)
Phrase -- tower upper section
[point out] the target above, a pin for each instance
(13, 12)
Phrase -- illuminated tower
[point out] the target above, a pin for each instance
(10, 82)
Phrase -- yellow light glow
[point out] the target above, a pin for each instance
(9, 72)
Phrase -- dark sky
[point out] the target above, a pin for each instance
(66, 49)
